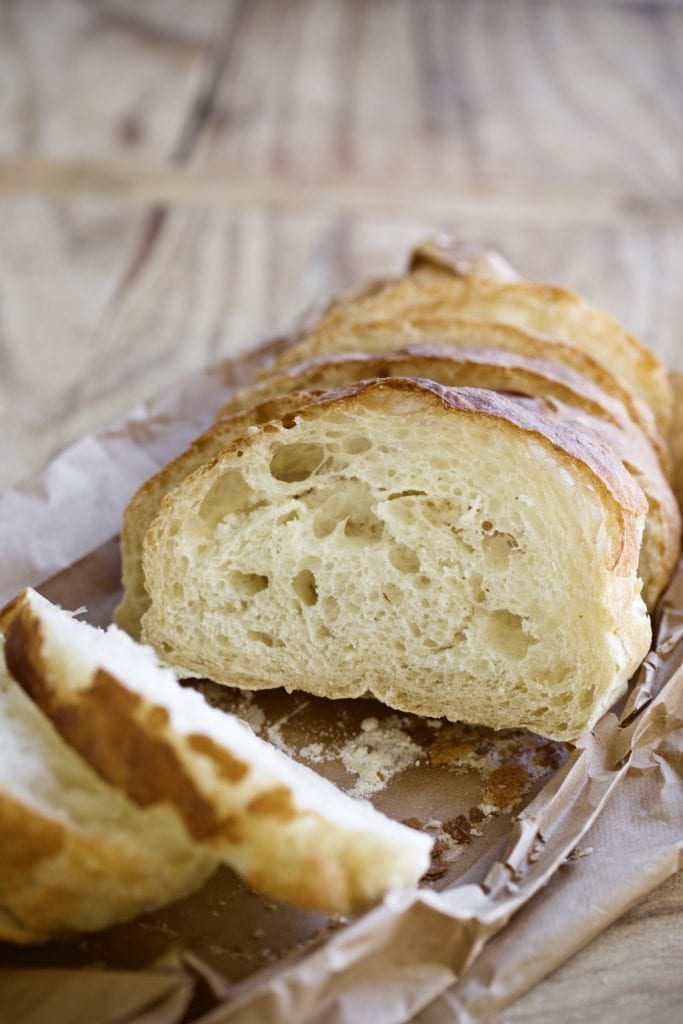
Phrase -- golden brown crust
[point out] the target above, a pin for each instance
(439, 255)
(434, 277)
(494, 369)
(438, 324)
(60, 873)
(112, 729)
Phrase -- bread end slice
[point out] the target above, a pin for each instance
(76, 855)
(290, 833)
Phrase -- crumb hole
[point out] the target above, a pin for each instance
(404, 558)
(247, 583)
(229, 494)
(262, 638)
(294, 462)
(305, 588)
(356, 445)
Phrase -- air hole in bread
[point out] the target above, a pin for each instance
(364, 527)
(392, 593)
(304, 587)
(504, 632)
(405, 494)
(350, 504)
(497, 548)
(356, 445)
(288, 517)
(230, 493)
(478, 589)
(247, 583)
(292, 463)
(404, 558)
(260, 636)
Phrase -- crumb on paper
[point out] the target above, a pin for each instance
(375, 757)
(369, 724)
(315, 752)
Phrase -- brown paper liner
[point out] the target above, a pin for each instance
(509, 897)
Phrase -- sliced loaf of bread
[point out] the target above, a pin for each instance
(433, 282)
(292, 835)
(446, 550)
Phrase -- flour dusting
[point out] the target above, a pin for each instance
(377, 755)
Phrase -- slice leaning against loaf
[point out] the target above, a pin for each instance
(548, 309)
(76, 855)
(445, 549)
(434, 326)
(290, 833)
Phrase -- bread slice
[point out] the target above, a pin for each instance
(289, 832)
(547, 309)
(76, 855)
(436, 327)
(565, 394)
(445, 550)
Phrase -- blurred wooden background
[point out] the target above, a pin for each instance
(178, 180)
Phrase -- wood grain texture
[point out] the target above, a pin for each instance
(179, 180)
(629, 973)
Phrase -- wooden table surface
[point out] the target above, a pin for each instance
(178, 180)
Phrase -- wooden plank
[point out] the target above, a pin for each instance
(80, 80)
(629, 974)
(213, 282)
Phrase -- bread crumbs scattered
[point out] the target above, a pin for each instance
(315, 752)
(375, 757)
(251, 714)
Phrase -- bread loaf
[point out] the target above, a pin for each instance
(433, 283)
(76, 855)
(289, 832)
(444, 549)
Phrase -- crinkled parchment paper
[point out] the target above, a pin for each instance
(539, 845)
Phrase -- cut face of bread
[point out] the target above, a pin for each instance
(562, 393)
(592, 411)
(76, 855)
(444, 549)
(144, 505)
(290, 833)
(437, 325)
(555, 312)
